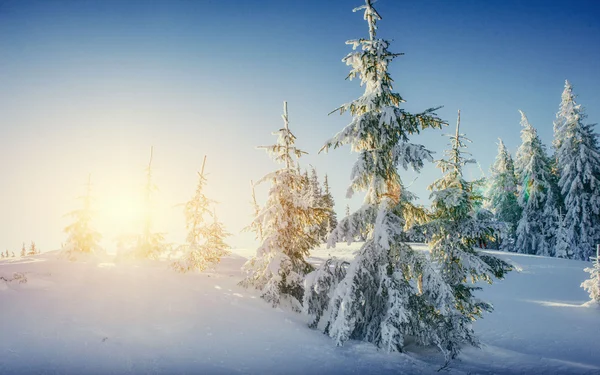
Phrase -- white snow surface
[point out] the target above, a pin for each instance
(98, 317)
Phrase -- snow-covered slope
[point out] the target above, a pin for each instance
(103, 318)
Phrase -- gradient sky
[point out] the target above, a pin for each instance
(89, 86)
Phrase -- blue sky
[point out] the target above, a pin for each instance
(89, 86)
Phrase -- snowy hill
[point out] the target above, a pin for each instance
(98, 317)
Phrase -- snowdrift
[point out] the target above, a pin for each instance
(99, 317)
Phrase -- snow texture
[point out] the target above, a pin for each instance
(101, 317)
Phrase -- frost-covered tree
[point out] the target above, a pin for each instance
(147, 244)
(328, 203)
(455, 228)
(562, 247)
(82, 239)
(315, 199)
(592, 285)
(315, 186)
(538, 197)
(23, 250)
(205, 244)
(258, 227)
(578, 163)
(279, 266)
(388, 292)
(215, 238)
(150, 244)
(32, 249)
(502, 195)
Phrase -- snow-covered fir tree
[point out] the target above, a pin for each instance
(315, 199)
(592, 285)
(538, 195)
(502, 196)
(315, 185)
(258, 226)
(147, 244)
(455, 228)
(215, 239)
(150, 244)
(82, 239)
(205, 244)
(23, 250)
(32, 249)
(562, 247)
(279, 266)
(328, 203)
(388, 292)
(578, 164)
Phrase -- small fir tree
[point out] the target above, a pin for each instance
(256, 207)
(328, 203)
(315, 199)
(578, 163)
(592, 285)
(502, 196)
(148, 244)
(215, 241)
(562, 247)
(82, 239)
(32, 249)
(279, 266)
(205, 244)
(455, 228)
(24, 250)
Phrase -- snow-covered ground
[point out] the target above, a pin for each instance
(105, 318)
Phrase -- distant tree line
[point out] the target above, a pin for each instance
(33, 250)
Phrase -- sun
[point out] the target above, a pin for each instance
(119, 213)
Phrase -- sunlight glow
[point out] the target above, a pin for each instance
(119, 213)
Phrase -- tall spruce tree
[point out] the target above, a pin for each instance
(279, 266)
(538, 195)
(578, 164)
(454, 230)
(205, 244)
(388, 291)
(502, 196)
(82, 239)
